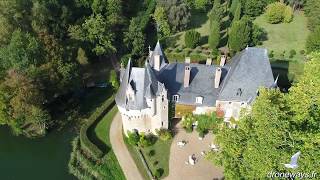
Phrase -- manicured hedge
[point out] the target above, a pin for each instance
(195, 57)
(86, 144)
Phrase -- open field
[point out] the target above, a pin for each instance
(285, 36)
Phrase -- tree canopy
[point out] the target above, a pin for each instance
(278, 126)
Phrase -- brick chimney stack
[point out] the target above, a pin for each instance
(223, 60)
(217, 77)
(186, 75)
(209, 61)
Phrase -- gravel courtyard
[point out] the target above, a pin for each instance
(203, 169)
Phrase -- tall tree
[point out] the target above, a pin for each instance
(214, 35)
(22, 51)
(313, 41)
(312, 10)
(178, 13)
(239, 35)
(21, 104)
(95, 30)
(134, 38)
(237, 13)
(160, 17)
(217, 11)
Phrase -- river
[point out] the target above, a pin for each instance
(35, 159)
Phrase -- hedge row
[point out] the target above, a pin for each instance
(73, 165)
(86, 145)
(181, 57)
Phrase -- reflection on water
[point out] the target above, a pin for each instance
(35, 159)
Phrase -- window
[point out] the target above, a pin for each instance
(199, 99)
(175, 98)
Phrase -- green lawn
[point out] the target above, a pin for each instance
(162, 154)
(102, 128)
(137, 160)
(111, 164)
(285, 36)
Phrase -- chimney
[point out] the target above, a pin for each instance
(188, 60)
(156, 65)
(223, 60)
(186, 76)
(209, 61)
(217, 78)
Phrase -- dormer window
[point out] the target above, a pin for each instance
(199, 100)
(175, 98)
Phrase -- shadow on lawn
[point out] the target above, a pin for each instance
(93, 136)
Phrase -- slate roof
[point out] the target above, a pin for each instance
(201, 83)
(144, 83)
(158, 51)
(249, 71)
(240, 80)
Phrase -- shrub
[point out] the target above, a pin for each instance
(164, 134)
(287, 14)
(271, 54)
(282, 55)
(192, 38)
(133, 138)
(151, 153)
(292, 53)
(302, 51)
(144, 141)
(158, 173)
(177, 50)
(113, 79)
(207, 122)
(278, 12)
(275, 13)
(155, 163)
(187, 122)
(258, 34)
(201, 134)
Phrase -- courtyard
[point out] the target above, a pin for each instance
(203, 169)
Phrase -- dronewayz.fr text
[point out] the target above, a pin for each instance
(300, 175)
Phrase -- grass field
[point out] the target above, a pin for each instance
(282, 38)
(285, 36)
(161, 156)
(111, 164)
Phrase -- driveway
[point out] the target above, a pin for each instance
(126, 162)
(203, 169)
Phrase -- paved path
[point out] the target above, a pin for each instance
(203, 169)
(126, 162)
